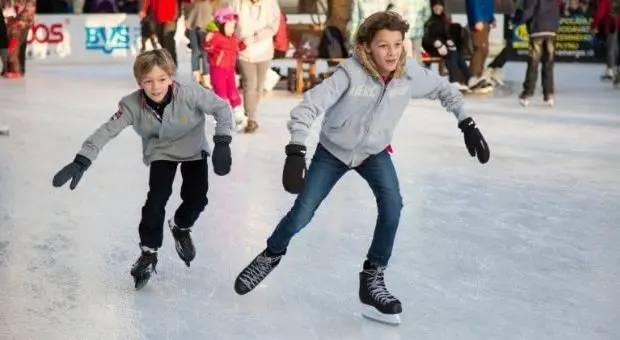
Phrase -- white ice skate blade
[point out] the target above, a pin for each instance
(371, 313)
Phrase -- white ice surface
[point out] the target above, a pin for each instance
(525, 247)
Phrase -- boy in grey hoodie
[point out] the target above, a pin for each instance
(363, 101)
(170, 118)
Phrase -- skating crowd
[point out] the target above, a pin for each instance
(362, 101)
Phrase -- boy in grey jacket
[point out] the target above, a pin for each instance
(363, 101)
(170, 118)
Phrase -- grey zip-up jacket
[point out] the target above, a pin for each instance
(361, 113)
(180, 134)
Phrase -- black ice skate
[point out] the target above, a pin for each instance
(380, 305)
(144, 267)
(256, 272)
(183, 242)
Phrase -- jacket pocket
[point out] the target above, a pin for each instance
(343, 130)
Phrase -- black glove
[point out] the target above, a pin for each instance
(476, 145)
(294, 174)
(221, 155)
(73, 171)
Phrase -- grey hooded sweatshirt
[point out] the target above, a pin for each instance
(361, 112)
(180, 134)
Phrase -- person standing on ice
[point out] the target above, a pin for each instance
(259, 21)
(542, 18)
(363, 101)
(223, 46)
(170, 118)
(4, 45)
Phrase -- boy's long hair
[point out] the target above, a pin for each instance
(388, 20)
(367, 31)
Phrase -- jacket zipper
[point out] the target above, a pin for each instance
(368, 127)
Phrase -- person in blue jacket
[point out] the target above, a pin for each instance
(481, 18)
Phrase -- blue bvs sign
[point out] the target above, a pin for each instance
(108, 39)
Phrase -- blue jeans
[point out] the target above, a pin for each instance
(196, 38)
(325, 170)
(455, 63)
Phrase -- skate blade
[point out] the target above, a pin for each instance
(372, 314)
(140, 282)
(185, 260)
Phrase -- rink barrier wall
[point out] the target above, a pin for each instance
(115, 38)
(574, 40)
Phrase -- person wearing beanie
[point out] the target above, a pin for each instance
(223, 46)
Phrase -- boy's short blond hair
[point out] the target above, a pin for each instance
(146, 61)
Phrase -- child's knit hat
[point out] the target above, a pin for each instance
(225, 15)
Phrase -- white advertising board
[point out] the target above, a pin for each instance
(87, 39)
(110, 38)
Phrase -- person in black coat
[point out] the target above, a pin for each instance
(4, 45)
(438, 42)
(4, 41)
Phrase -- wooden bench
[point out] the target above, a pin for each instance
(308, 65)
(441, 65)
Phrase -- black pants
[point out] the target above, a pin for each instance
(165, 34)
(23, 43)
(618, 54)
(4, 39)
(506, 53)
(193, 194)
(541, 49)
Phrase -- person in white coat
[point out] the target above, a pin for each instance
(258, 23)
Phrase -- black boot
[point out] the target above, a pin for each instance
(252, 275)
(143, 267)
(183, 242)
(384, 307)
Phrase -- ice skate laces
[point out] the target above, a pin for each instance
(376, 286)
(259, 269)
(182, 235)
(146, 259)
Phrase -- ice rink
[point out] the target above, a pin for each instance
(524, 247)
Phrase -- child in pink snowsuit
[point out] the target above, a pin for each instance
(222, 48)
